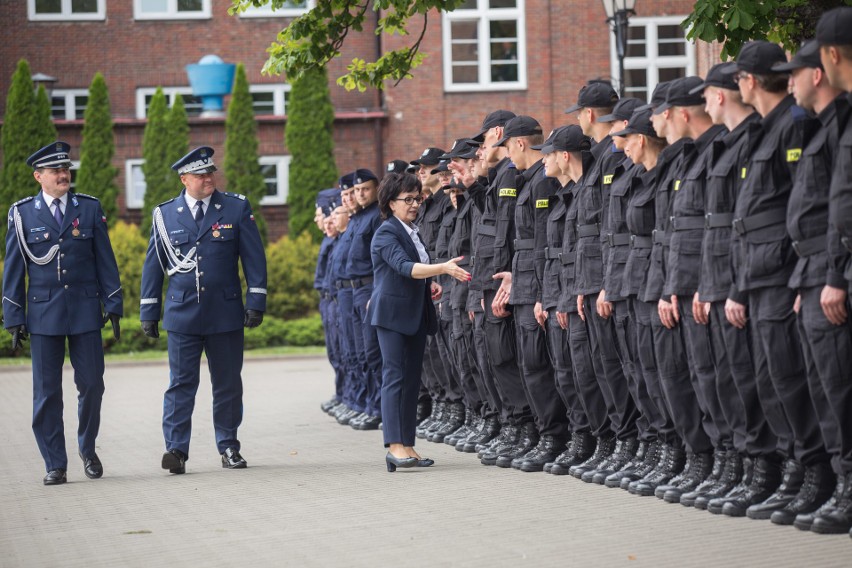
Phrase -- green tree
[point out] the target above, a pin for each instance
(310, 117)
(159, 177)
(18, 142)
(734, 22)
(178, 127)
(44, 131)
(97, 174)
(242, 170)
(313, 39)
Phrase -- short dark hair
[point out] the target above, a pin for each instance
(392, 186)
(772, 82)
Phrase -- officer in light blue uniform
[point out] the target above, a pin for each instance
(59, 273)
(197, 239)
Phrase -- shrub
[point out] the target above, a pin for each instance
(132, 338)
(291, 264)
(129, 247)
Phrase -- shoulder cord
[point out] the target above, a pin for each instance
(52, 253)
(179, 263)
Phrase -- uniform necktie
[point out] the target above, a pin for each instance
(57, 211)
(199, 213)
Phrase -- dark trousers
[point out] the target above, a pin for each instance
(828, 359)
(328, 312)
(348, 353)
(563, 370)
(225, 362)
(87, 358)
(429, 377)
(493, 406)
(464, 357)
(537, 372)
(780, 370)
(401, 370)
(620, 405)
(370, 356)
(501, 345)
(585, 379)
(448, 372)
(677, 383)
(625, 332)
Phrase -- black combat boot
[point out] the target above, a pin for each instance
(453, 420)
(424, 409)
(647, 451)
(490, 429)
(672, 462)
(528, 439)
(720, 462)
(604, 449)
(436, 414)
(715, 504)
(839, 519)
(582, 447)
(511, 436)
(804, 521)
(765, 480)
(464, 431)
(548, 447)
(625, 452)
(791, 483)
(569, 451)
(816, 490)
(648, 464)
(700, 471)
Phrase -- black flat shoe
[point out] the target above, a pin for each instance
(425, 462)
(92, 466)
(394, 462)
(55, 477)
(231, 459)
(174, 461)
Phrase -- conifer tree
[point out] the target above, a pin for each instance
(96, 176)
(160, 182)
(310, 119)
(178, 127)
(242, 170)
(44, 131)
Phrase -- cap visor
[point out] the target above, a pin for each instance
(500, 142)
(699, 89)
(608, 118)
(643, 107)
(573, 108)
(622, 133)
(729, 68)
(662, 108)
(789, 66)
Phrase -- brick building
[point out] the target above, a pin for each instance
(530, 56)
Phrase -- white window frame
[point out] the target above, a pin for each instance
(130, 200)
(70, 103)
(170, 92)
(483, 16)
(279, 96)
(651, 62)
(66, 13)
(171, 12)
(283, 175)
(267, 11)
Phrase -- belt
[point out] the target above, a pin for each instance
(688, 223)
(489, 230)
(641, 242)
(718, 220)
(567, 257)
(343, 284)
(810, 246)
(361, 282)
(551, 253)
(591, 230)
(524, 244)
(618, 239)
(661, 237)
(744, 225)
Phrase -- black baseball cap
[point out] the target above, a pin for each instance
(567, 139)
(720, 75)
(429, 157)
(683, 92)
(521, 125)
(622, 110)
(807, 56)
(441, 167)
(396, 167)
(640, 123)
(835, 27)
(658, 97)
(460, 149)
(758, 57)
(596, 94)
(496, 118)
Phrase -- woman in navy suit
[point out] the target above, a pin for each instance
(401, 309)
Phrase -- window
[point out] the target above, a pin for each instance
(275, 170)
(657, 51)
(289, 9)
(270, 99)
(484, 46)
(144, 96)
(68, 104)
(171, 9)
(66, 9)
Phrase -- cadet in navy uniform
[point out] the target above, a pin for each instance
(197, 239)
(58, 241)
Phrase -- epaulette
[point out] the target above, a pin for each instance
(24, 200)
(86, 196)
(169, 201)
(236, 195)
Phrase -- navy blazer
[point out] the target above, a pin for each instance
(399, 302)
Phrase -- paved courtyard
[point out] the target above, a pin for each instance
(317, 494)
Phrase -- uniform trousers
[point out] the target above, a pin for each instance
(87, 358)
(461, 346)
(585, 379)
(429, 378)
(563, 370)
(828, 360)
(493, 406)
(401, 370)
(780, 370)
(328, 312)
(353, 394)
(625, 332)
(369, 356)
(225, 362)
(445, 365)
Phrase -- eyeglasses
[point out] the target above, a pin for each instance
(740, 76)
(410, 200)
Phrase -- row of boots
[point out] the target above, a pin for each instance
(347, 416)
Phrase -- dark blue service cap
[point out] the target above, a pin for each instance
(345, 181)
(54, 155)
(396, 167)
(496, 118)
(720, 75)
(835, 27)
(328, 199)
(567, 139)
(363, 175)
(639, 123)
(429, 157)
(521, 125)
(596, 94)
(622, 110)
(807, 56)
(198, 161)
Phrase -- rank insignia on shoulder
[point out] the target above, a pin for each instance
(542, 203)
(237, 195)
(793, 154)
(24, 200)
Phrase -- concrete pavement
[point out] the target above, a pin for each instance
(317, 494)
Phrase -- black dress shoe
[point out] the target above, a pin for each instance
(174, 461)
(231, 459)
(394, 462)
(55, 477)
(92, 466)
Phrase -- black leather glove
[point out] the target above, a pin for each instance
(116, 327)
(150, 328)
(253, 318)
(19, 335)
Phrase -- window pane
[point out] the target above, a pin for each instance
(504, 51)
(137, 185)
(153, 5)
(503, 4)
(465, 74)
(672, 73)
(84, 6)
(635, 78)
(192, 104)
(263, 103)
(639, 93)
(635, 42)
(48, 6)
(468, 5)
(270, 178)
(57, 108)
(504, 29)
(189, 5)
(464, 30)
(502, 73)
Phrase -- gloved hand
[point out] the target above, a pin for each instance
(253, 318)
(19, 335)
(150, 328)
(116, 327)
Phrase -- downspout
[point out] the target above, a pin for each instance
(380, 145)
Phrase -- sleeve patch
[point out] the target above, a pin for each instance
(508, 192)
(793, 154)
(542, 203)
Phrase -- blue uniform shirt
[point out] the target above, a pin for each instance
(363, 226)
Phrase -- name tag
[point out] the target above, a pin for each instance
(677, 185)
(793, 154)
(607, 179)
(507, 192)
(542, 203)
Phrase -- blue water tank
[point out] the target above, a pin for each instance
(211, 79)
